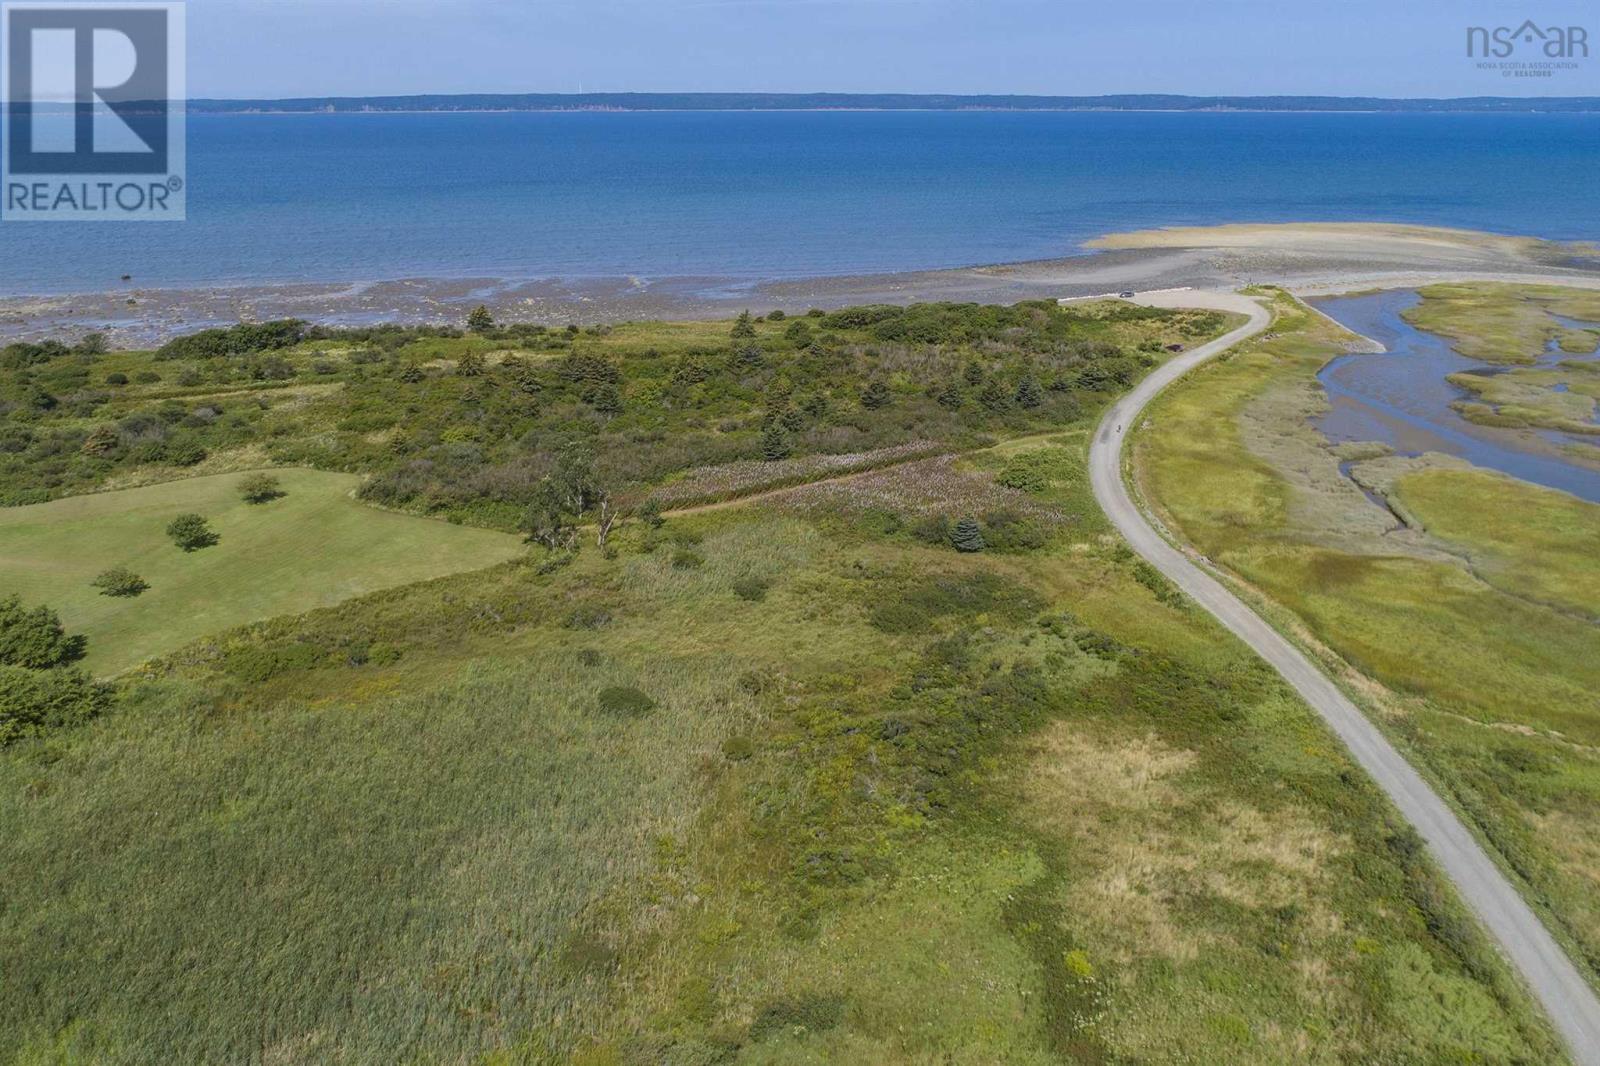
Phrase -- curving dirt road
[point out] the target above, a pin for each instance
(1550, 975)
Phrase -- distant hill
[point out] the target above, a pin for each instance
(883, 102)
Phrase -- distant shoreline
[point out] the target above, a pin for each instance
(496, 103)
(864, 111)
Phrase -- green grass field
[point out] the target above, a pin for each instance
(1472, 632)
(313, 547)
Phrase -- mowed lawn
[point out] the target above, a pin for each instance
(312, 547)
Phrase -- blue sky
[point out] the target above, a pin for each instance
(1339, 47)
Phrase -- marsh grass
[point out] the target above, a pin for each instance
(1505, 323)
(1478, 631)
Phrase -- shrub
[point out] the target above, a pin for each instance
(1037, 470)
(185, 452)
(260, 488)
(255, 663)
(588, 657)
(753, 589)
(684, 559)
(587, 616)
(101, 441)
(116, 378)
(876, 396)
(993, 397)
(35, 639)
(1006, 530)
(1151, 578)
(384, 654)
(625, 702)
(809, 1014)
(243, 339)
(737, 749)
(967, 536)
(35, 701)
(191, 532)
(119, 581)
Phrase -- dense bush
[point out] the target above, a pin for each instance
(753, 589)
(257, 663)
(247, 338)
(625, 702)
(260, 488)
(34, 638)
(119, 581)
(191, 532)
(648, 403)
(36, 701)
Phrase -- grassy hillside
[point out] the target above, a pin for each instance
(313, 547)
(1470, 626)
(827, 776)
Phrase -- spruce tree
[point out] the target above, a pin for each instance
(967, 536)
(875, 396)
(950, 396)
(1028, 394)
(775, 443)
(743, 327)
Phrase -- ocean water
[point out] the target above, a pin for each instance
(276, 198)
(1402, 398)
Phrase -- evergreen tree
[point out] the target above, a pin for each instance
(950, 396)
(967, 536)
(973, 374)
(993, 396)
(480, 320)
(606, 399)
(775, 443)
(876, 395)
(743, 327)
(1028, 394)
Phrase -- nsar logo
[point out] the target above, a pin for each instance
(1551, 42)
